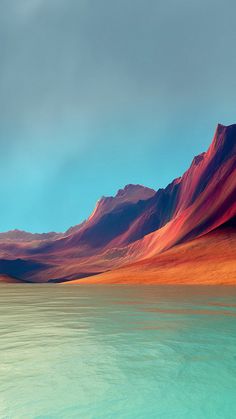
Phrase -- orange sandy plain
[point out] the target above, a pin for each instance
(207, 260)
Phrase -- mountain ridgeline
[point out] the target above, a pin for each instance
(137, 224)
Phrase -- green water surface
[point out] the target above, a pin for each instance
(117, 352)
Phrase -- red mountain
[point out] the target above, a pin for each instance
(112, 216)
(139, 223)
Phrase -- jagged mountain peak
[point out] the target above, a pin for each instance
(131, 193)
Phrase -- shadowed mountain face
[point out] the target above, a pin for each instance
(112, 216)
(138, 222)
(19, 268)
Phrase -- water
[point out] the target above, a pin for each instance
(117, 352)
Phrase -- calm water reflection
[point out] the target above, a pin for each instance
(117, 352)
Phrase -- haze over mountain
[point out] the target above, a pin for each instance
(139, 224)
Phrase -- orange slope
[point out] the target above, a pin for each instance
(207, 260)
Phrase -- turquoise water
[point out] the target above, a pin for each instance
(117, 352)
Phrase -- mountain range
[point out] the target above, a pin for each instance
(184, 233)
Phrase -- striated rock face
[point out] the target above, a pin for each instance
(209, 174)
(206, 165)
(139, 223)
(205, 197)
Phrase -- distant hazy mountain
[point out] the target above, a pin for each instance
(19, 235)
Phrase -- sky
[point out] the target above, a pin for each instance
(98, 94)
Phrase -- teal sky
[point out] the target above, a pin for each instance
(98, 94)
